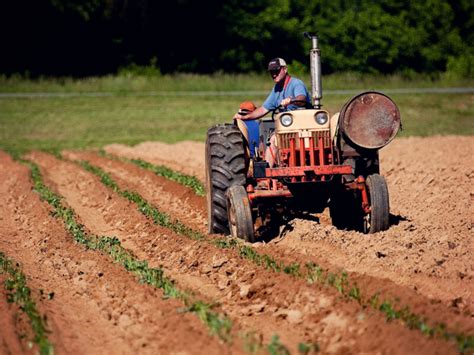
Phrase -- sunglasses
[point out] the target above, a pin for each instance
(274, 71)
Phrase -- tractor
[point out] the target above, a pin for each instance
(321, 161)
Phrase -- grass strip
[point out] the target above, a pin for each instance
(163, 171)
(219, 325)
(183, 179)
(18, 292)
(311, 272)
(144, 207)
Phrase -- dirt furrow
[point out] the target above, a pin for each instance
(186, 157)
(91, 304)
(173, 198)
(257, 299)
(129, 177)
(428, 247)
(14, 326)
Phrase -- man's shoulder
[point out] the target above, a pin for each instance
(296, 81)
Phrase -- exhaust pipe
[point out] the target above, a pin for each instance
(315, 61)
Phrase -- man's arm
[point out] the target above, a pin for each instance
(300, 98)
(259, 112)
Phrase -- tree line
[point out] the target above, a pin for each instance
(94, 37)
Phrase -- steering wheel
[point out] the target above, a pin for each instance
(281, 108)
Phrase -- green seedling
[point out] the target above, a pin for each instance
(304, 348)
(160, 170)
(277, 348)
(18, 292)
(186, 180)
(160, 218)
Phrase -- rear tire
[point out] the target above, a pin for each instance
(379, 217)
(225, 167)
(240, 214)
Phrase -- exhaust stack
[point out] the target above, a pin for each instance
(315, 61)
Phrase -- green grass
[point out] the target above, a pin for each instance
(92, 122)
(129, 82)
(55, 123)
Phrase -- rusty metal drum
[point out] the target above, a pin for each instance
(370, 120)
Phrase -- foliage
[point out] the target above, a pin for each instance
(304, 348)
(461, 66)
(103, 36)
(277, 348)
(18, 292)
(144, 207)
(186, 180)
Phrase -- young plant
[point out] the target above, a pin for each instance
(18, 292)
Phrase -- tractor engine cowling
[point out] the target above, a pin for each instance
(304, 138)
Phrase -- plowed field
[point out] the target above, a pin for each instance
(408, 290)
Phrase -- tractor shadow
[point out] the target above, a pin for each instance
(278, 228)
(395, 219)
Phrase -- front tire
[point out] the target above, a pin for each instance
(240, 214)
(225, 167)
(378, 219)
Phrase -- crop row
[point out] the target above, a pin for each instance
(311, 272)
(18, 292)
(163, 171)
(218, 324)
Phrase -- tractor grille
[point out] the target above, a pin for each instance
(325, 135)
(285, 138)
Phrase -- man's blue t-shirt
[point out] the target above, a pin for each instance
(293, 88)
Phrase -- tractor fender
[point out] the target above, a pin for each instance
(334, 126)
(250, 131)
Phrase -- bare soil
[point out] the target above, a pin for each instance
(429, 246)
(424, 261)
(97, 306)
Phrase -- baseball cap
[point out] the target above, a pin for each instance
(246, 107)
(276, 64)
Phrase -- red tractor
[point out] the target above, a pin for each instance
(321, 161)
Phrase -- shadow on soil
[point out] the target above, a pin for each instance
(395, 220)
(273, 230)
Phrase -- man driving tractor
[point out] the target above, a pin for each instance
(322, 161)
(288, 93)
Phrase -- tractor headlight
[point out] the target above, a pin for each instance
(286, 120)
(321, 118)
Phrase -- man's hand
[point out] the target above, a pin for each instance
(259, 112)
(238, 116)
(285, 102)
